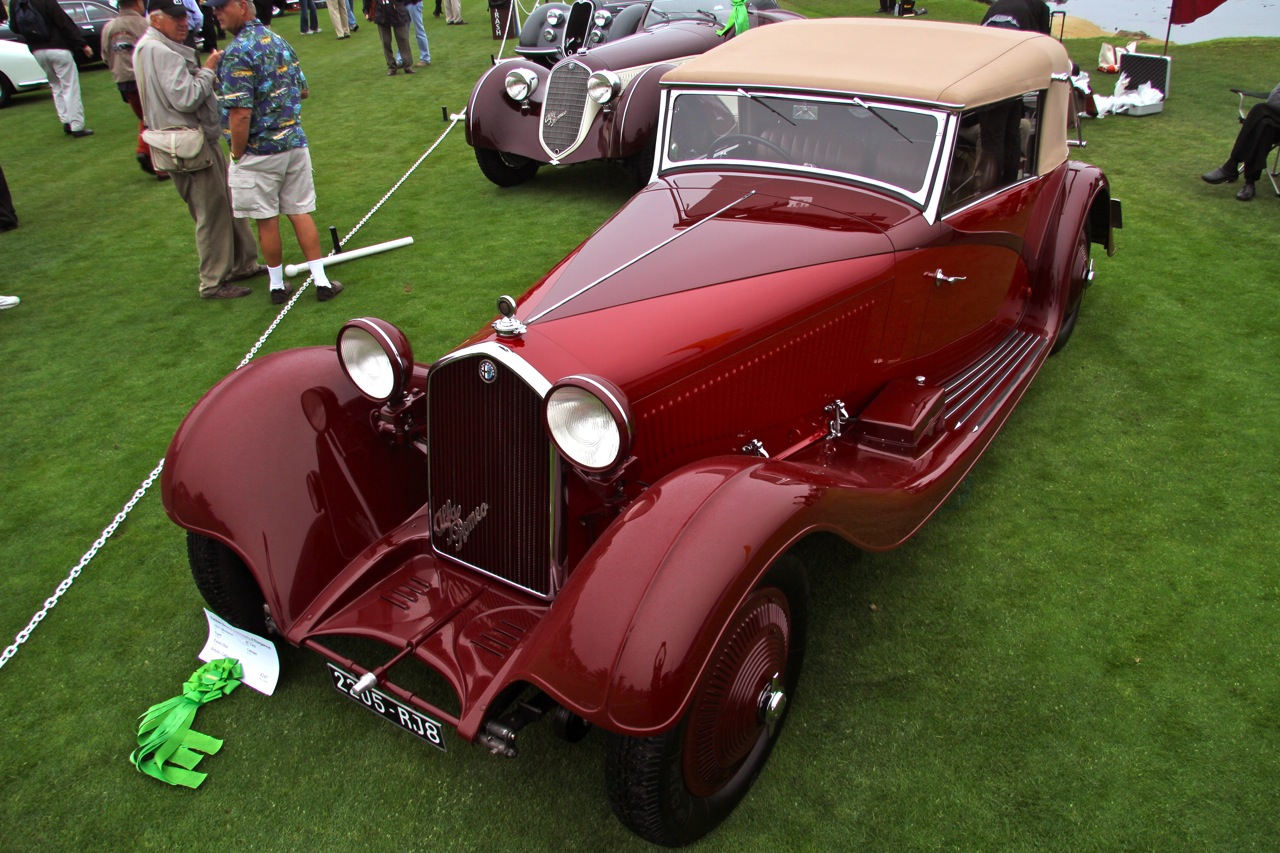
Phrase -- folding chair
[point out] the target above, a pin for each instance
(1272, 171)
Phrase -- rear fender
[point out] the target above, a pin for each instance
(1088, 205)
(1084, 190)
(632, 630)
(280, 462)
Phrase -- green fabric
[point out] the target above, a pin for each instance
(167, 747)
(738, 20)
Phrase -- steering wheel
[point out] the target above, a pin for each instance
(748, 137)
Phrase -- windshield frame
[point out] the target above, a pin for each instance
(876, 107)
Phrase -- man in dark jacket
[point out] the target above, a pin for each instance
(1031, 15)
(54, 55)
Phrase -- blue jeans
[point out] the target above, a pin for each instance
(307, 16)
(419, 31)
(351, 14)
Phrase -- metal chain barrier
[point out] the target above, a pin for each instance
(110, 529)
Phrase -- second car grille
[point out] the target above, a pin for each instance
(491, 471)
(565, 102)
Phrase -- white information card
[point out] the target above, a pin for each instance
(257, 656)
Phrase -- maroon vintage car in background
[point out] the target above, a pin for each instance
(586, 85)
(843, 277)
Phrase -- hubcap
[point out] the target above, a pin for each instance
(773, 702)
(741, 697)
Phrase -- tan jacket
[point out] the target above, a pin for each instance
(175, 90)
(119, 39)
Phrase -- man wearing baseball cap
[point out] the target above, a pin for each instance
(260, 89)
(176, 91)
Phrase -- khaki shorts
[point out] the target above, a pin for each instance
(267, 185)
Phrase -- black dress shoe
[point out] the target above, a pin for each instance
(1220, 175)
(81, 133)
(1246, 192)
(66, 127)
(324, 294)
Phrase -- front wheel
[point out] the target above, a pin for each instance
(506, 170)
(673, 788)
(226, 583)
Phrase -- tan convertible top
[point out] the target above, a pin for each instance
(944, 63)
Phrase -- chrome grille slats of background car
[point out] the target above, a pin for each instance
(491, 472)
(565, 104)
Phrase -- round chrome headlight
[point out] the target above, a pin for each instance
(521, 83)
(589, 420)
(376, 357)
(555, 17)
(548, 34)
(603, 86)
(602, 18)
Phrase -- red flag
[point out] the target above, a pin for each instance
(1186, 11)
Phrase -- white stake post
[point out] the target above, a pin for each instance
(293, 269)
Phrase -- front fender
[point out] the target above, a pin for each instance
(633, 628)
(637, 112)
(495, 122)
(279, 461)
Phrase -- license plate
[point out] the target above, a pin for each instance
(380, 703)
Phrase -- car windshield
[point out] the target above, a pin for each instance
(685, 10)
(890, 145)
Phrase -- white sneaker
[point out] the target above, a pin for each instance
(8, 302)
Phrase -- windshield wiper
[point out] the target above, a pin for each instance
(713, 18)
(762, 103)
(876, 113)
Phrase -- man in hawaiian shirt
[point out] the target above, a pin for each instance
(260, 89)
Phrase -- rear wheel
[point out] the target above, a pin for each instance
(673, 788)
(1081, 278)
(506, 170)
(226, 583)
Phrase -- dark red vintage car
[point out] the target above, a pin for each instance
(842, 278)
(586, 85)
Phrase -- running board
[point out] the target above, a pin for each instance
(975, 394)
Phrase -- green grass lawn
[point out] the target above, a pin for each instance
(1079, 652)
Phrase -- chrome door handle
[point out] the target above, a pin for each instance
(939, 277)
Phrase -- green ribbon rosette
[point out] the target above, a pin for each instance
(167, 747)
(738, 21)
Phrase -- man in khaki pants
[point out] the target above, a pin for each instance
(177, 92)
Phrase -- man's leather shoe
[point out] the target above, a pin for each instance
(66, 127)
(227, 291)
(81, 133)
(280, 295)
(324, 294)
(255, 271)
(1220, 176)
(1246, 192)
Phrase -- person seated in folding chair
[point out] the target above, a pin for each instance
(1259, 133)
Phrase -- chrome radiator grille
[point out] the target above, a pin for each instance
(565, 104)
(491, 480)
